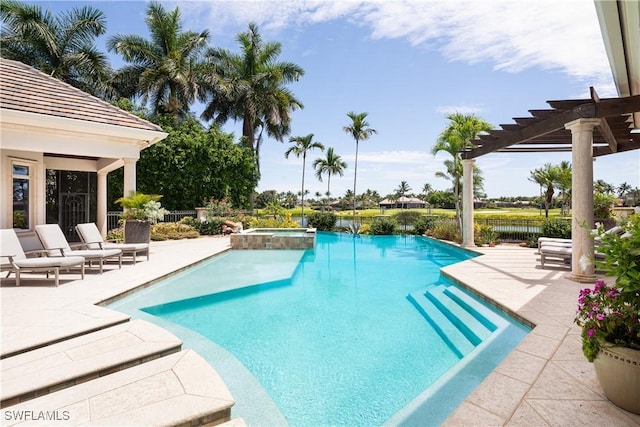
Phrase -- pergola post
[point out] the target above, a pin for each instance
(582, 268)
(467, 203)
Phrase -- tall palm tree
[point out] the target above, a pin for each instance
(360, 131)
(61, 46)
(164, 70)
(426, 190)
(303, 144)
(455, 176)
(563, 183)
(457, 136)
(546, 177)
(331, 164)
(252, 87)
(402, 189)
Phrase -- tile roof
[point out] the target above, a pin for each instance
(23, 88)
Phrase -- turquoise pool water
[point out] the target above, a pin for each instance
(346, 334)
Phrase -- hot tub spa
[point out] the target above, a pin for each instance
(274, 238)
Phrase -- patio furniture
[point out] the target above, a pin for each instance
(91, 237)
(56, 244)
(18, 261)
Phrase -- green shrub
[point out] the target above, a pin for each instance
(273, 223)
(446, 230)
(364, 229)
(484, 235)
(407, 217)
(383, 225)
(323, 221)
(424, 224)
(557, 227)
(173, 231)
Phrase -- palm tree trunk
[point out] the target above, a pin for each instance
(304, 159)
(355, 176)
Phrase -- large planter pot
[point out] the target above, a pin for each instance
(618, 370)
(137, 231)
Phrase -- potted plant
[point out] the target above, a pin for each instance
(610, 317)
(140, 211)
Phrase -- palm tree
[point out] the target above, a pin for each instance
(426, 190)
(332, 164)
(601, 186)
(402, 189)
(563, 183)
(61, 46)
(166, 69)
(359, 129)
(546, 177)
(459, 135)
(251, 86)
(303, 144)
(623, 190)
(455, 176)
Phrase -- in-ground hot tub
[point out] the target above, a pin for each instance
(274, 238)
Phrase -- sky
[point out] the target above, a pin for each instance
(408, 64)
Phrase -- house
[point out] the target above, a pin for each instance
(57, 145)
(402, 203)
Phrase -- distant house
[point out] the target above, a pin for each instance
(57, 145)
(402, 203)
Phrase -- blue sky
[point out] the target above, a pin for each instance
(408, 64)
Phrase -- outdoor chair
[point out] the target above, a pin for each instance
(56, 244)
(91, 237)
(18, 262)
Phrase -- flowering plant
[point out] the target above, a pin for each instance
(609, 315)
(606, 318)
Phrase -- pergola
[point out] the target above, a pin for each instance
(588, 128)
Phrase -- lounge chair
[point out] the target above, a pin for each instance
(91, 237)
(56, 244)
(18, 261)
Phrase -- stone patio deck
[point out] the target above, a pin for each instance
(545, 381)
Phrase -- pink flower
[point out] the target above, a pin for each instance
(590, 332)
(600, 316)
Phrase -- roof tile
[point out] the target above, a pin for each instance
(23, 88)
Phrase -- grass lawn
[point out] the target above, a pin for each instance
(529, 213)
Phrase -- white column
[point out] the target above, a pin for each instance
(129, 176)
(102, 203)
(467, 203)
(582, 199)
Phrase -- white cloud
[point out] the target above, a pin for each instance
(465, 109)
(514, 35)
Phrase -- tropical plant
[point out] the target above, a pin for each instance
(459, 134)
(252, 87)
(547, 178)
(303, 144)
(600, 186)
(602, 204)
(556, 227)
(360, 131)
(61, 46)
(610, 315)
(140, 206)
(166, 69)
(383, 226)
(323, 221)
(563, 184)
(331, 164)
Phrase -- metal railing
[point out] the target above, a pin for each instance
(113, 217)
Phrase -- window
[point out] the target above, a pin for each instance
(21, 195)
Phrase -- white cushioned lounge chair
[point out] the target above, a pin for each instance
(56, 244)
(91, 237)
(15, 261)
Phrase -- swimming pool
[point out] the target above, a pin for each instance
(340, 335)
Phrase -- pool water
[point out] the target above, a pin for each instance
(345, 338)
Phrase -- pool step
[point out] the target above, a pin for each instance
(454, 338)
(462, 322)
(178, 389)
(77, 360)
